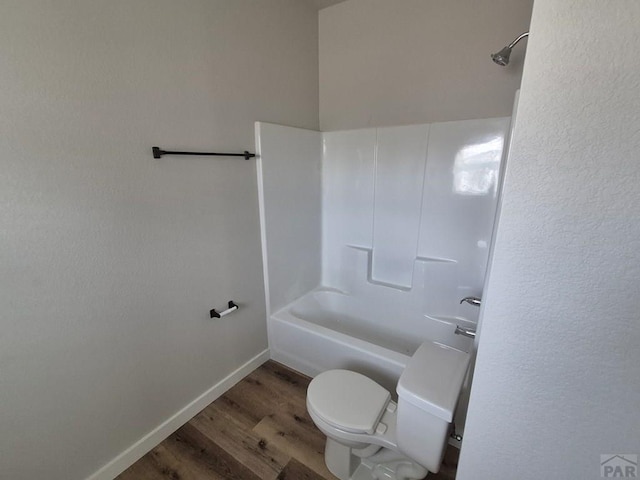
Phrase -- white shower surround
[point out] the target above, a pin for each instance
(381, 282)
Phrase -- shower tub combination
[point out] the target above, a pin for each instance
(372, 237)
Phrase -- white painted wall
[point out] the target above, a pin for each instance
(110, 260)
(557, 375)
(402, 62)
(325, 3)
(289, 184)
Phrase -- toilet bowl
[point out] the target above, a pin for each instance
(369, 436)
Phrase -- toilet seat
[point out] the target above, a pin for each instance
(348, 401)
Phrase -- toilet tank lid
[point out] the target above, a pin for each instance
(433, 379)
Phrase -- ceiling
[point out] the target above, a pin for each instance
(325, 3)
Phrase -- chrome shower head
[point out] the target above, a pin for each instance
(502, 57)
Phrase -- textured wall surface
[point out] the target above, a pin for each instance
(110, 260)
(319, 4)
(402, 62)
(557, 381)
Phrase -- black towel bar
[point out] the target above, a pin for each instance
(158, 152)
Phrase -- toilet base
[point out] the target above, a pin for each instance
(384, 464)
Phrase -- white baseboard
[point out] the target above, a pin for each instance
(136, 451)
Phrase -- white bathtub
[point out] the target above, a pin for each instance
(322, 330)
(318, 332)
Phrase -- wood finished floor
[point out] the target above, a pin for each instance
(259, 429)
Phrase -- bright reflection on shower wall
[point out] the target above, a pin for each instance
(475, 168)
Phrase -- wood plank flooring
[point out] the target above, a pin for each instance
(258, 430)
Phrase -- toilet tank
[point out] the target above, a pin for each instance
(428, 392)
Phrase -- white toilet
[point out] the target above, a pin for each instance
(371, 437)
